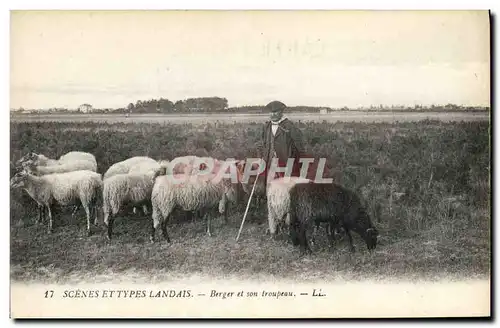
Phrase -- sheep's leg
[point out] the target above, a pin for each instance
(315, 231)
(272, 223)
(50, 225)
(270, 220)
(330, 233)
(96, 215)
(152, 232)
(348, 232)
(87, 212)
(75, 209)
(223, 208)
(164, 231)
(303, 239)
(293, 234)
(226, 221)
(293, 227)
(41, 213)
(209, 224)
(157, 219)
(110, 227)
(108, 221)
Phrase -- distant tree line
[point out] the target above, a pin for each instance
(203, 104)
(220, 105)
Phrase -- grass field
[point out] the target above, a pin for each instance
(195, 118)
(431, 179)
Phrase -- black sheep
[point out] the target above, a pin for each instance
(338, 206)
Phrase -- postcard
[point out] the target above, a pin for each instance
(250, 164)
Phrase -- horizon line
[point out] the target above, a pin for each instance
(377, 106)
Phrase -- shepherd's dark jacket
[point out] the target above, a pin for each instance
(287, 144)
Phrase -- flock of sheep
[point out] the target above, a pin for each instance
(143, 182)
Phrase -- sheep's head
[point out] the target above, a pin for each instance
(241, 167)
(31, 156)
(29, 166)
(364, 227)
(18, 180)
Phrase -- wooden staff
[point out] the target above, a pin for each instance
(248, 206)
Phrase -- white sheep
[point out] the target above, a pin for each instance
(125, 165)
(77, 155)
(69, 166)
(42, 160)
(124, 189)
(194, 193)
(67, 188)
(278, 201)
(146, 166)
(193, 165)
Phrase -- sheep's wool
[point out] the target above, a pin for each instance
(278, 201)
(124, 166)
(70, 166)
(195, 193)
(120, 189)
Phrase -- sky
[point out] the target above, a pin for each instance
(314, 58)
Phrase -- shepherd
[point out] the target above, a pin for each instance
(281, 141)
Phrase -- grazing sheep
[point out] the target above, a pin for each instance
(67, 188)
(33, 159)
(193, 165)
(338, 206)
(42, 160)
(125, 165)
(70, 166)
(195, 193)
(129, 188)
